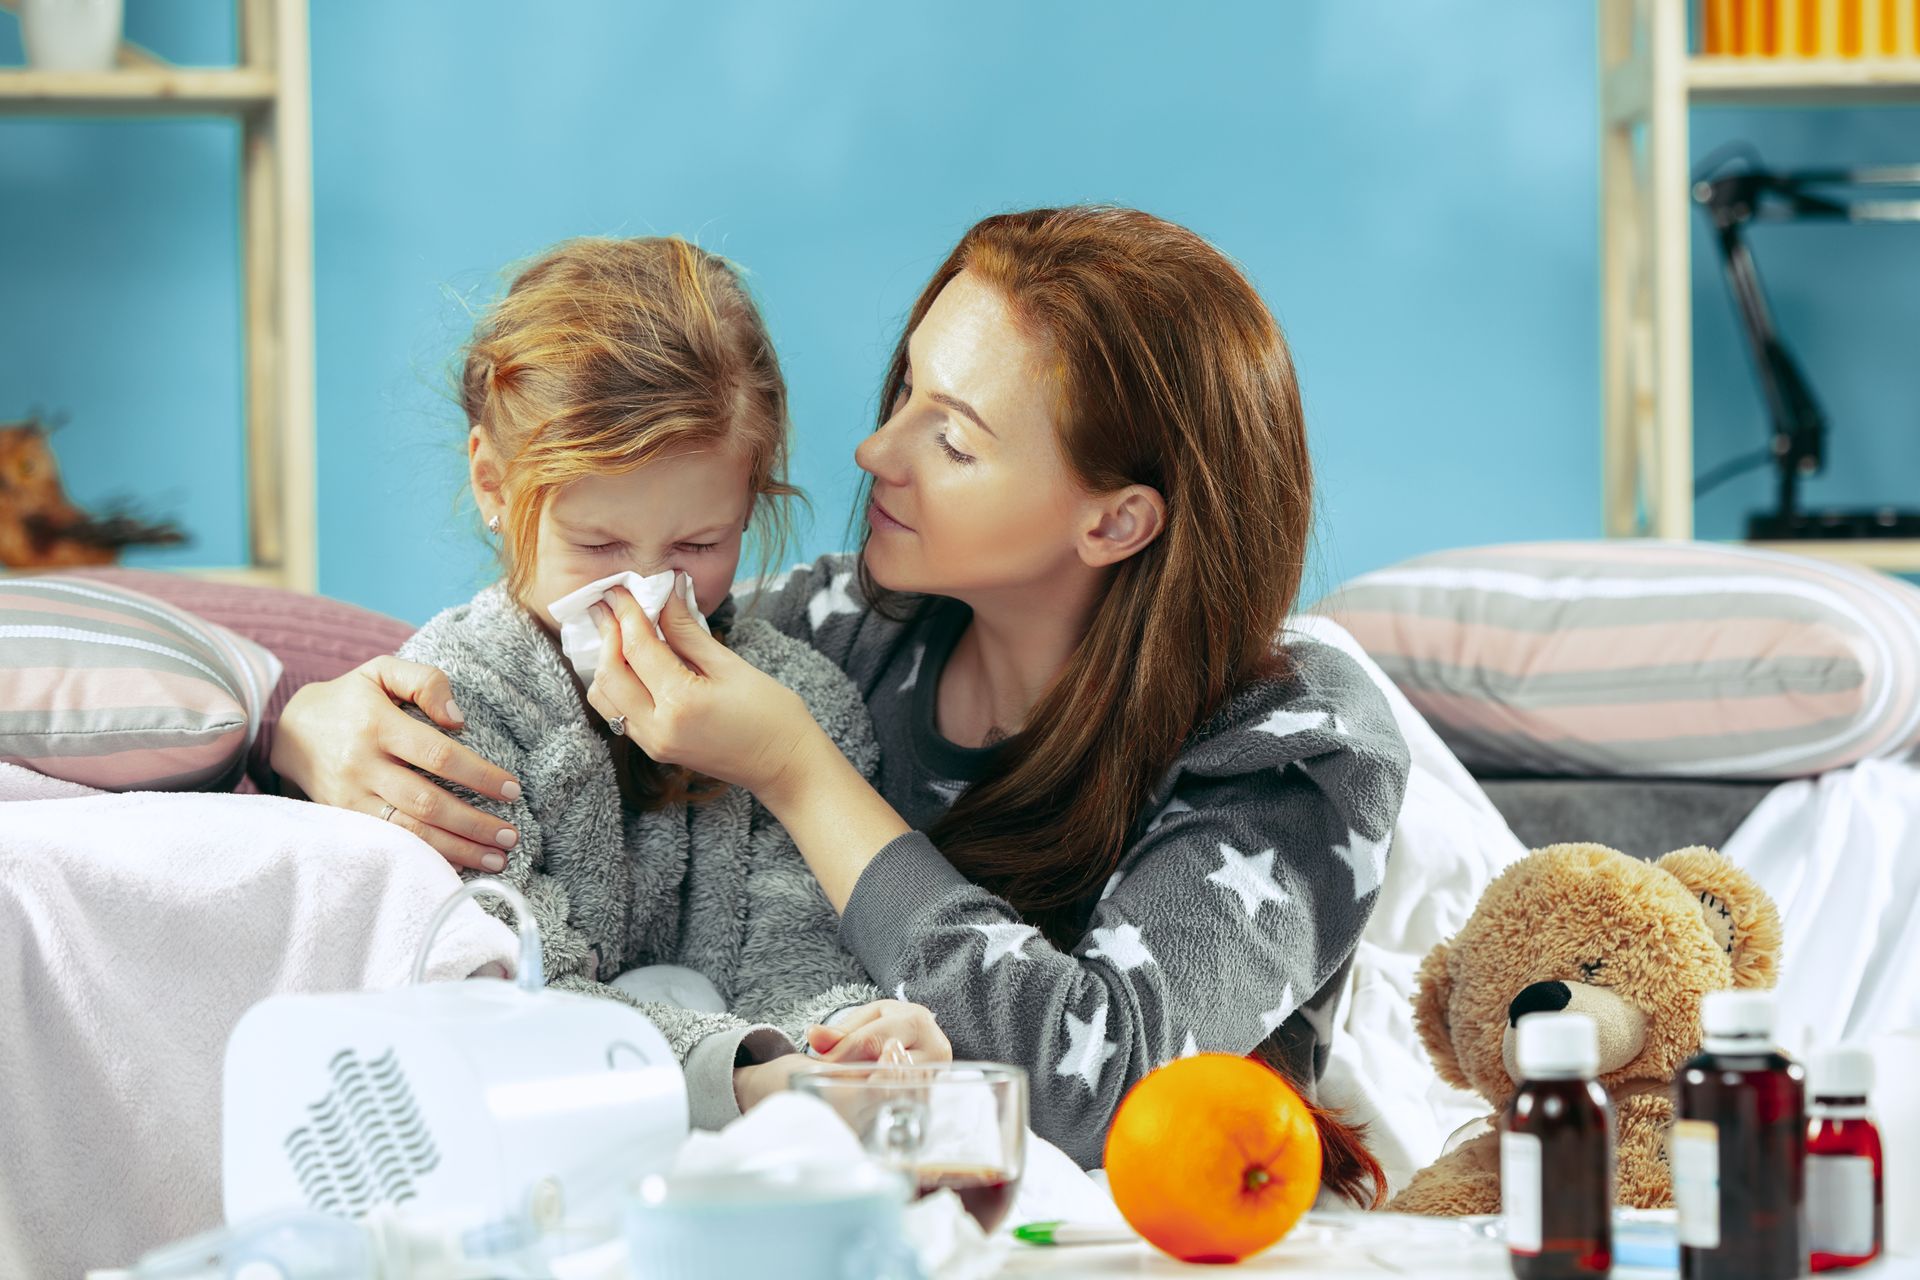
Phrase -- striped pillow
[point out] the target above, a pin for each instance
(1646, 659)
(115, 689)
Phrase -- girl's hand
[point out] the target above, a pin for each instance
(344, 743)
(691, 701)
(755, 1082)
(864, 1034)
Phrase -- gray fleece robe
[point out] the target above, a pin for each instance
(717, 887)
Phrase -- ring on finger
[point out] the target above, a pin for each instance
(386, 814)
(618, 726)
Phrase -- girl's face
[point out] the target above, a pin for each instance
(687, 513)
(971, 494)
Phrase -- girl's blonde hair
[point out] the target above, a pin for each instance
(608, 354)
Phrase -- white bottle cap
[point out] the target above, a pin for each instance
(1737, 1015)
(1558, 1044)
(1845, 1071)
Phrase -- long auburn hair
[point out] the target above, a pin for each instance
(1168, 371)
(605, 355)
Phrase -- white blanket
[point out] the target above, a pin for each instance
(1840, 854)
(136, 930)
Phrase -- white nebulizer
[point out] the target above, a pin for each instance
(446, 1130)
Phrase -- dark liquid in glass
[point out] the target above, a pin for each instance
(1757, 1100)
(1575, 1130)
(986, 1193)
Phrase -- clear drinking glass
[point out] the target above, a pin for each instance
(961, 1126)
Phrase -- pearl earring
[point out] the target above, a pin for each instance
(493, 526)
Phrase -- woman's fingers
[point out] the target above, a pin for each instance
(615, 690)
(460, 833)
(415, 682)
(426, 748)
(656, 665)
(913, 1026)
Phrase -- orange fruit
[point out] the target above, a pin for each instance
(1213, 1158)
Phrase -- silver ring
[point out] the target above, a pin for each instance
(619, 726)
(386, 815)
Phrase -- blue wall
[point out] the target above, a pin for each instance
(1412, 184)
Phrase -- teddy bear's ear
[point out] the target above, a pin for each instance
(1433, 993)
(1741, 915)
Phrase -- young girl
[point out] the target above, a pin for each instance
(627, 413)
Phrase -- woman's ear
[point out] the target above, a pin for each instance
(486, 475)
(1122, 524)
(1740, 915)
(1433, 992)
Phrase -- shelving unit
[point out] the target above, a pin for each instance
(1649, 82)
(268, 92)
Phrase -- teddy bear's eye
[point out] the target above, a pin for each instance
(1590, 969)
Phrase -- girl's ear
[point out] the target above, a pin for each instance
(486, 474)
(1122, 524)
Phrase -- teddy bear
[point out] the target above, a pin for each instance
(1632, 944)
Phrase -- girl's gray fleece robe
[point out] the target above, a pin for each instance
(717, 887)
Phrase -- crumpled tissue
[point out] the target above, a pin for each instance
(580, 639)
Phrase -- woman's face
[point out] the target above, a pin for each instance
(687, 513)
(971, 494)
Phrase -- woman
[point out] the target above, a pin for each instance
(1115, 822)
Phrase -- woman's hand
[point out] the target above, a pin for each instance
(691, 701)
(345, 743)
(866, 1033)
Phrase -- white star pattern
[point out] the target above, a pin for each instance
(1274, 1017)
(1175, 807)
(947, 791)
(900, 993)
(1191, 1048)
(1087, 1049)
(1368, 860)
(913, 672)
(831, 599)
(1284, 724)
(1003, 940)
(1248, 877)
(1120, 947)
(1113, 882)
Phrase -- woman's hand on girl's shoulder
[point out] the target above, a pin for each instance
(345, 743)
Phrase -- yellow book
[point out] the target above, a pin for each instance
(1851, 42)
(1826, 28)
(1717, 39)
(1871, 11)
(1907, 42)
(1746, 32)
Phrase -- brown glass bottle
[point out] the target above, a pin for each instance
(1556, 1154)
(1739, 1148)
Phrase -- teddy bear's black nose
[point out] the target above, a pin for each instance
(1541, 997)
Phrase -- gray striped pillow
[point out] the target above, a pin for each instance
(1642, 658)
(115, 689)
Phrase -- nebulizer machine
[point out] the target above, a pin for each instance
(437, 1130)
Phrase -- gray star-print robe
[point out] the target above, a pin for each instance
(1231, 923)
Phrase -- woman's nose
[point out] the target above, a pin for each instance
(879, 455)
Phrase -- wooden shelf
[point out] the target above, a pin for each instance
(1891, 555)
(1788, 82)
(174, 91)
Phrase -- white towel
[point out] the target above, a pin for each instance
(134, 931)
(580, 639)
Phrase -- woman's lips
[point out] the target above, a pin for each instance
(883, 519)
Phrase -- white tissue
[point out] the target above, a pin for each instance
(580, 639)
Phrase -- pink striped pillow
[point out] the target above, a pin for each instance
(1641, 658)
(114, 689)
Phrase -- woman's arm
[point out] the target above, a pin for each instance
(344, 742)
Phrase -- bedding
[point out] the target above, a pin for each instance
(135, 929)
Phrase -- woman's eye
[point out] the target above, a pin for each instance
(604, 548)
(698, 546)
(955, 454)
(904, 394)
